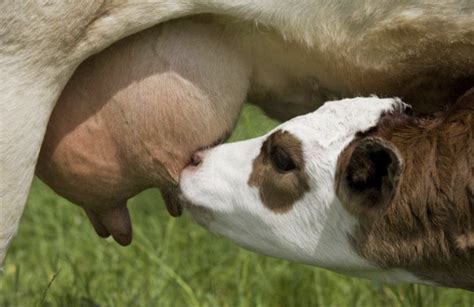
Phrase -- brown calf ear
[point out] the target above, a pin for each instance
(368, 175)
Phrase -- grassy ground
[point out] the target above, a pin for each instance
(57, 260)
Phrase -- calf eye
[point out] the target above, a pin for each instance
(281, 160)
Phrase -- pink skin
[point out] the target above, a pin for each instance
(131, 117)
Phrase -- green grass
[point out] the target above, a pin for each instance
(58, 260)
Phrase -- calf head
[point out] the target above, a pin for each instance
(330, 189)
(275, 194)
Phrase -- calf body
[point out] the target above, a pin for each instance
(367, 190)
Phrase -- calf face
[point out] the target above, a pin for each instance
(355, 187)
(275, 194)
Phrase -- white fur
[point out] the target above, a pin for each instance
(315, 230)
(42, 42)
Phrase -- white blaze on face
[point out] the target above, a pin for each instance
(314, 228)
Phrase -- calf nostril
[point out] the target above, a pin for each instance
(196, 158)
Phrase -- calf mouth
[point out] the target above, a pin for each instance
(172, 196)
(171, 193)
(176, 202)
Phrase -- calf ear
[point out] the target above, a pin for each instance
(368, 178)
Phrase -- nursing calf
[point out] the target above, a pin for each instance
(299, 54)
(131, 116)
(360, 186)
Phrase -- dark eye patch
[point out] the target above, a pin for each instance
(281, 152)
(281, 160)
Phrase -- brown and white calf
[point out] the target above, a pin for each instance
(297, 53)
(132, 115)
(359, 186)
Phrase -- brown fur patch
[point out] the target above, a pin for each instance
(279, 190)
(428, 226)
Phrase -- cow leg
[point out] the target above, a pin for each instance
(24, 111)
